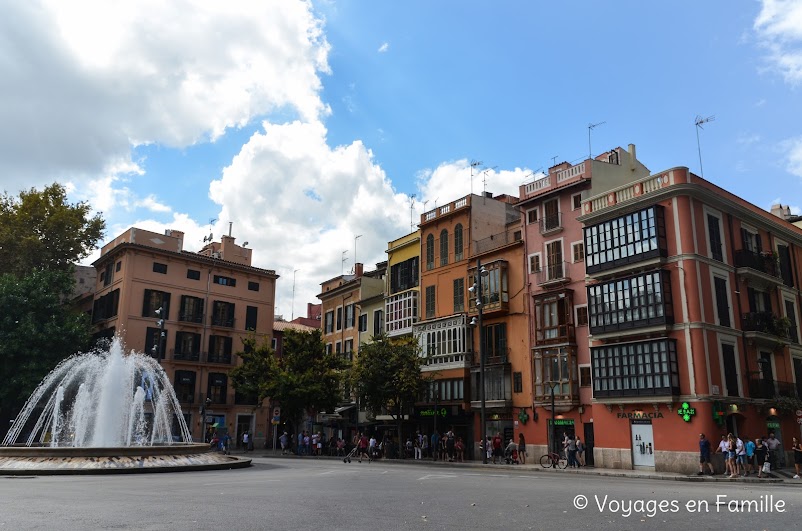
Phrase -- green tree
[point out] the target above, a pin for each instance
(386, 376)
(41, 230)
(37, 331)
(304, 378)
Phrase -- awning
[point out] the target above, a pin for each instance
(339, 410)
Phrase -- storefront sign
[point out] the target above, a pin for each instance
(562, 422)
(431, 412)
(772, 425)
(522, 416)
(718, 413)
(686, 412)
(639, 415)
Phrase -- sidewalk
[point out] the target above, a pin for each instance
(782, 477)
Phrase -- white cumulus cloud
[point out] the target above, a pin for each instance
(384, 47)
(779, 28)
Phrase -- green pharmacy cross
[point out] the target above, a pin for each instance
(686, 412)
(523, 416)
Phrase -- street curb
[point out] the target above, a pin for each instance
(586, 472)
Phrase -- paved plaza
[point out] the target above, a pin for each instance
(293, 493)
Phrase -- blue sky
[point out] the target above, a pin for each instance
(309, 124)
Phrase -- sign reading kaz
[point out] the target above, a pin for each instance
(686, 412)
(640, 415)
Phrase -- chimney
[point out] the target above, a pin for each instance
(632, 157)
(358, 269)
(781, 211)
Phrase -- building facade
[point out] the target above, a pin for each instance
(190, 311)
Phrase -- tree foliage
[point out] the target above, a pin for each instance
(386, 376)
(37, 331)
(41, 230)
(304, 378)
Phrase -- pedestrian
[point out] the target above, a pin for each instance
(300, 451)
(363, 448)
(740, 455)
(498, 451)
(451, 446)
(722, 448)
(372, 447)
(572, 452)
(704, 455)
(797, 448)
(775, 456)
(460, 449)
(732, 455)
(580, 451)
(226, 444)
(761, 456)
(435, 445)
(489, 447)
(521, 448)
(750, 454)
(245, 440)
(307, 443)
(424, 446)
(283, 441)
(417, 448)
(314, 440)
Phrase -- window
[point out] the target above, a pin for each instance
(220, 349)
(730, 370)
(339, 318)
(642, 300)
(223, 314)
(534, 263)
(404, 276)
(722, 304)
(378, 322)
(578, 249)
(581, 316)
(443, 247)
(555, 366)
(495, 340)
(349, 316)
(495, 294)
(430, 302)
(117, 267)
(551, 215)
(576, 201)
(105, 307)
(445, 390)
(553, 318)
(555, 267)
(153, 301)
(584, 376)
(184, 385)
(108, 275)
(187, 346)
(626, 239)
(191, 309)
(786, 267)
(459, 295)
(531, 216)
(159, 268)
(338, 348)
(329, 322)
(225, 281)
(253, 286)
(349, 350)
(714, 234)
(646, 368)
(458, 242)
(363, 322)
(790, 313)
(517, 382)
(429, 252)
(217, 388)
(751, 241)
(153, 346)
(328, 349)
(193, 274)
(250, 317)
(401, 312)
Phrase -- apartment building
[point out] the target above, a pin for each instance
(403, 285)
(341, 298)
(448, 236)
(189, 310)
(559, 394)
(693, 305)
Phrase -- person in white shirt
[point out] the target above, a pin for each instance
(372, 447)
(740, 451)
(723, 447)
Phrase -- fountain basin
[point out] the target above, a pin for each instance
(47, 460)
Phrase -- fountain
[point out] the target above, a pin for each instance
(105, 411)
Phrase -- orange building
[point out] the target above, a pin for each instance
(201, 304)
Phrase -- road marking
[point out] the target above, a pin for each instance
(437, 476)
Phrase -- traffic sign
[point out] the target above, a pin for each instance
(799, 420)
(799, 412)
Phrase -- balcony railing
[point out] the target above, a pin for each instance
(224, 359)
(765, 323)
(763, 262)
(562, 333)
(768, 389)
(184, 356)
(185, 398)
(496, 240)
(191, 317)
(551, 223)
(223, 322)
(558, 272)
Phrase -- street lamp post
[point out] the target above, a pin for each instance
(157, 349)
(205, 404)
(476, 289)
(552, 385)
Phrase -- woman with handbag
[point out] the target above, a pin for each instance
(761, 457)
(797, 447)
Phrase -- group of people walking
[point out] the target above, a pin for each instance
(758, 456)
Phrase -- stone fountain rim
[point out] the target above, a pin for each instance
(21, 450)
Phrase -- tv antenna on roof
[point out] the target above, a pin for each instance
(411, 212)
(591, 127)
(698, 123)
(474, 164)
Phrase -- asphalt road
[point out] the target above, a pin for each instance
(293, 494)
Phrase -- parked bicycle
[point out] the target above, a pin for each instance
(553, 460)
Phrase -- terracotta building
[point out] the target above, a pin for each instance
(201, 305)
